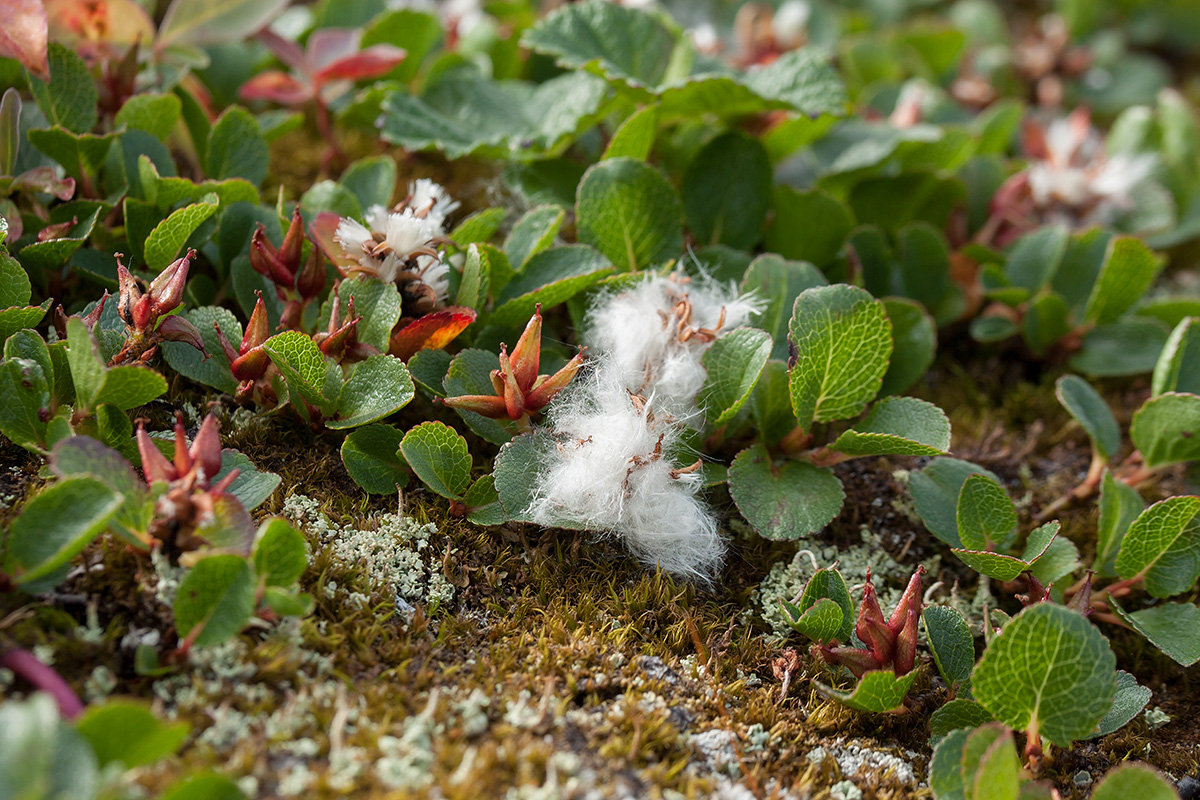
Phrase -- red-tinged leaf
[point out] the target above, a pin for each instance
(430, 332)
(285, 50)
(277, 87)
(322, 229)
(43, 179)
(95, 28)
(177, 329)
(328, 45)
(23, 35)
(369, 63)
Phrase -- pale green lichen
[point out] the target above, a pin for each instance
(390, 552)
(787, 579)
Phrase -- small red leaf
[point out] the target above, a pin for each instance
(369, 63)
(23, 35)
(430, 332)
(278, 87)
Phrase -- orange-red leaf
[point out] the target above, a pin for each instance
(430, 332)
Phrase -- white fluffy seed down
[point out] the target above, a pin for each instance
(640, 332)
(618, 465)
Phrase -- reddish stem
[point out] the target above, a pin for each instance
(25, 665)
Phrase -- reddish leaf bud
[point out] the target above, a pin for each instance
(177, 329)
(183, 459)
(527, 355)
(167, 289)
(547, 387)
(155, 465)
(910, 599)
(311, 279)
(870, 627)
(484, 405)
(514, 400)
(258, 329)
(290, 251)
(906, 643)
(206, 449)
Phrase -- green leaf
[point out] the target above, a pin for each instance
(16, 319)
(1089, 409)
(52, 254)
(236, 148)
(1173, 628)
(14, 283)
(216, 596)
(200, 22)
(478, 227)
(821, 622)
(24, 402)
(1051, 674)
(771, 403)
(1134, 780)
(532, 233)
(843, 340)
(302, 365)
(129, 387)
(79, 153)
(428, 369)
(470, 373)
(1035, 257)
(287, 602)
(127, 732)
(914, 344)
(950, 642)
(55, 526)
(371, 456)
(483, 503)
(1129, 346)
(829, 584)
(1178, 368)
(986, 516)
(635, 137)
(439, 457)
(630, 213)
(330, 196)
(516, 461)
(208, 786)
(1166, 430)
(280, 553)
(168, 237)
(252, 486)
(1045, 322)
(788, 501)
(1128, 270)
(958, 714)
(935, 491)
(1004, 567)
(734, 363)
(157, 114)
(945, 768)
(777, 282)
(377, 302)
(87, 367)
(1130, 699)
(877, 692)
(372, 180)
(1162, 547)
(476, 279)
(1120, 504)
(550, 278)
(213, 371)
(379, 386)
(70, 99)
(726, 191)
(627, 46)
(991, 769)
(464, 113)
(808, 226)
(902, 426)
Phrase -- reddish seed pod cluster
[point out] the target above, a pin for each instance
(148, 315)
(192, 498)
(297, 281)
(520, 390)
(891, 643)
